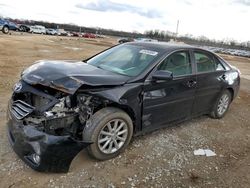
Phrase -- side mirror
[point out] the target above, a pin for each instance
(162, 75)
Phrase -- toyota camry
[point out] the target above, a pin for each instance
(59, 108)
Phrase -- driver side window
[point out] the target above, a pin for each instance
(178, 63)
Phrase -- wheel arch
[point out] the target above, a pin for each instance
(126, 109)
(99, 102)
(231, 90)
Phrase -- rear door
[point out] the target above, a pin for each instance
(170, 100)
(210, 80)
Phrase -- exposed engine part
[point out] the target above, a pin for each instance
(66, 125)
(39, 101)
(86, 108)
(60, 109)
(48, 114)
(59, 106)
(35, 120)
(59, 120)
(68, 101)
(87, 104)
(67, 117)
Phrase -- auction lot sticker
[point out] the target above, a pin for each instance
(149, 52)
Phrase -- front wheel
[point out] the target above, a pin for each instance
(222, 104)
(110, 129)
(5, 30)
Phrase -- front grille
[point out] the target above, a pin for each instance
(21, 109)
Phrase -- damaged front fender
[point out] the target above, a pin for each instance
(127, 97)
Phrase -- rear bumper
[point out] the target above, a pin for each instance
(1, 27)
(55, 152)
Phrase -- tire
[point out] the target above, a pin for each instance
(5, 29)
(222, 104)
(106, 121)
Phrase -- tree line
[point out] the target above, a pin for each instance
(201, 40)
(154, 34)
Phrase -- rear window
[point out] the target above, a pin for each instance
(206, 63)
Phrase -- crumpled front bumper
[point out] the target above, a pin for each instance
(55, 152)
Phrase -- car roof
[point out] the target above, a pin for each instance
(164, 46)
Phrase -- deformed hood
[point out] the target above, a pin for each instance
(69, 76)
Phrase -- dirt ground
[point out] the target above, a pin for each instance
(163, 158)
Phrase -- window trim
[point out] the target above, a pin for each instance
(223, 62)
(210, 55)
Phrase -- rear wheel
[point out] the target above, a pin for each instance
(110, 129)
(5, 29)
(222, 104)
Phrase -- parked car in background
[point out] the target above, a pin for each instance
(59, 108)
(88, 35)
(123, 40)
(69, 34)
(50, 31)
(76, 34)
(236, 52)
(6, 26)
(100, 36)
(61, 32)
(23, 28)
(39, 29)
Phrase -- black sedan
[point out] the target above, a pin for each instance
(24, 28)
(124, 40)
(59, 108)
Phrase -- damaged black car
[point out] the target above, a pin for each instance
(59, 108)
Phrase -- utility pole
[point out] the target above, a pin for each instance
(177, 28)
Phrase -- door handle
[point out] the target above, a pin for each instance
(191, 83)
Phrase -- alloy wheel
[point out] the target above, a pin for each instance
(113, 136)
(223, 104)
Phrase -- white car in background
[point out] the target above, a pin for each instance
(61, 32)
(51, 31)
(38, 29)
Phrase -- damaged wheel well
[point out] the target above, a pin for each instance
(126, 109)
(95, 103)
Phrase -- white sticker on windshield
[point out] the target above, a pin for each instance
(149, 52)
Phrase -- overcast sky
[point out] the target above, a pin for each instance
(216, 19)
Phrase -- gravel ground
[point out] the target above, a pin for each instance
(163, 158)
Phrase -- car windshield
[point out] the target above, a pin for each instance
(129, 60)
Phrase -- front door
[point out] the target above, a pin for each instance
(166, 101)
